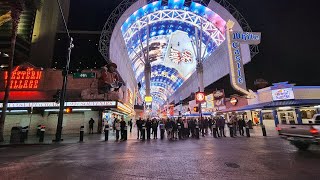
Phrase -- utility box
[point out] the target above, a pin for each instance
(16, 135)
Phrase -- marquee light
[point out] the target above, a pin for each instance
(24, 79)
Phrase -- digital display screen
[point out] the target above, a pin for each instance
(172, 43)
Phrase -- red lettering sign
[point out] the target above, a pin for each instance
(25, 79)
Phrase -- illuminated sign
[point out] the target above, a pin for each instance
(282, 94)
(130, 97)
(24, 79)
(148, 99)
(124, 107)
(200, 97)
(237, 76)
(234, 101)
(84, 75)
(53, 104)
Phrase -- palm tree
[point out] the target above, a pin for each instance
(16, 6)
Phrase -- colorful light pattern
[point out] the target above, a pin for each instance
(171, 43)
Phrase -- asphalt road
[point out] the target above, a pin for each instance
(207, 158)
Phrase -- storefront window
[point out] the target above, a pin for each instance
(308, 114)
(267, 116)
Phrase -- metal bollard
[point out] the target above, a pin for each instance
(106, 132)
(247, 131)
(264, 132)
(81, 133)
(42, 131)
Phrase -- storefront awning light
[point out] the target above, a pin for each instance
(285, 108)
(318, 106)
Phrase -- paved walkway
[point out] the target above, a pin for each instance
(91, 138)
(208, 158)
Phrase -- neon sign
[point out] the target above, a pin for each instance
(235, 39)
(24, 79)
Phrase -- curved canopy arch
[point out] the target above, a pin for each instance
(172, 52)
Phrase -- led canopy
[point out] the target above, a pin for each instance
(172, 50)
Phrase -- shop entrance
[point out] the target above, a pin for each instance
(287, 117)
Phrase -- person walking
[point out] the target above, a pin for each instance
(139, 128)
(185, 128)
(168, 127)
(143, 129)
(91, 122)
(221, 124)
(117, 127)
(123, 125)
(155, 128)
(242, 124)
(130, 125)
(162, 129)
(148, 126)
(174, 134)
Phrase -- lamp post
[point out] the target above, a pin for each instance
(65, 73)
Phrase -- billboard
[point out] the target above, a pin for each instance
(282, 94)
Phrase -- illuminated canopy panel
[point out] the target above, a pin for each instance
(172, 49)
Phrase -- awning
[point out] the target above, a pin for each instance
(269, 105)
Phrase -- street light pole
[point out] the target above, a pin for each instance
(65, 73)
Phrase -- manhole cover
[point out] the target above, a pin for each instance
(232, 165)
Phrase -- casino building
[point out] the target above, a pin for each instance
(33, 100)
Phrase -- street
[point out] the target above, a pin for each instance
(207, 158)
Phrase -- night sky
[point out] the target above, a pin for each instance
(288, 51)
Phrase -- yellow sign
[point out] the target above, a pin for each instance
(148, 99)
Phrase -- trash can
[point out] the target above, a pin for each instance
(16, 135)
(25, 132)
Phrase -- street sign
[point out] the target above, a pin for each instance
(84, 75)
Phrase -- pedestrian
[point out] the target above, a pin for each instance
(143, 129)
(162, 129)
(148, 126)
(155, 128)
(139, 128)
(221, 124)
(214, 129)
(174, 135)
(91, 122)
(242, 124)
(185, 128)
(168, 126)
(117, 127)
(114, 124)
(210, 125)
(130, 125)
(180, 128)
(123, 125)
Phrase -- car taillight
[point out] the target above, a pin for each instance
(314, 131)
(278, 128)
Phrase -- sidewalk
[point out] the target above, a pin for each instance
(93, 138)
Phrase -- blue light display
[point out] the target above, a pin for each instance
(171, 43)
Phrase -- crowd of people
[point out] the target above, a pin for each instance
(182, 128)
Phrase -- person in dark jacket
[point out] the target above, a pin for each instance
(174, 129)
(168, 126)
(155, 128)
(123, 125)
(130, 125)
(148, 126)
(139, 128)
(242, 124)
(221, 124)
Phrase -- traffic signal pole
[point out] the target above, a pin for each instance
(65, 73)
